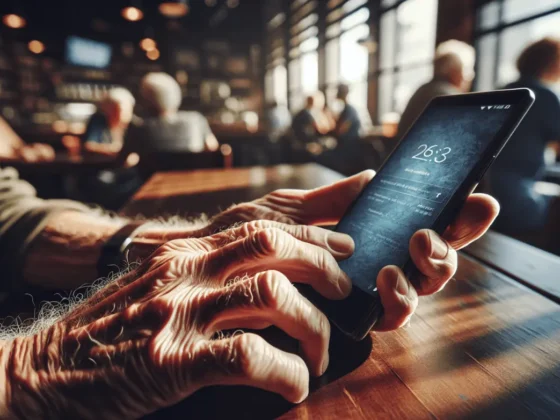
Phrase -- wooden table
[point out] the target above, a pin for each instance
(62, 164)
(485, 347)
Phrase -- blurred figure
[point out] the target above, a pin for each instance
(348, 126)
(324, 120)
(12, 147)
(522, 161)
(278, 119)
(453, 74)
(106, 128)
(166, 129)
(304, 125)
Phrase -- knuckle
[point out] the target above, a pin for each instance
(274, 289)
(248, 352)
(269, 241)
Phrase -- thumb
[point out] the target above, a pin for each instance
(328, 204)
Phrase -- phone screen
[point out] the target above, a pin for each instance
(415, 184)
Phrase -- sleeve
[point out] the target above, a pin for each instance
(22, 218)
(551, 121)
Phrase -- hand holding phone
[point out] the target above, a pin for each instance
(423, 184)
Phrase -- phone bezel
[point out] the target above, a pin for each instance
(358, 313)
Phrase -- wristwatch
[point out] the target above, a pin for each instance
(113, 253)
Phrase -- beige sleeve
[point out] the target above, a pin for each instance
(22, 218)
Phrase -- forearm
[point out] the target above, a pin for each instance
(66, 253)
(4, 385)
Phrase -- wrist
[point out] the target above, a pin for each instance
(150, 237)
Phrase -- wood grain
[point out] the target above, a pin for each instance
(486, 347)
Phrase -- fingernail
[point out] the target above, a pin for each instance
(325, 364)
(344, 284)
(401, 285)
(438, 247)
(340, 243)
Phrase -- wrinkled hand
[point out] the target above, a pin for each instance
(152, 338)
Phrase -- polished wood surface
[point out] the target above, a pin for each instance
(63, 164)
(486, 347)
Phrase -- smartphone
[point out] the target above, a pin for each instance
(422, 184)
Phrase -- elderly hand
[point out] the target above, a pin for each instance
(153, 337)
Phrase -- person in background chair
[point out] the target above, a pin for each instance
(453, 74)
(522, 161)
(12, 147)
(278, 119)
(166, 129)
(106, 128)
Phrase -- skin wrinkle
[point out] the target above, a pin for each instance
(167, 349)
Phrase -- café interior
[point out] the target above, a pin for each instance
(291, 94)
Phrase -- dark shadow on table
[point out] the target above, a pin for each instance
(240, 402)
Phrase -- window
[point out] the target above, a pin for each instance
(505, 28)
(276, 75)
(346, 60)
(406, 51)
(304, 58)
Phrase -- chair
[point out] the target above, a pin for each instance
(181, 161)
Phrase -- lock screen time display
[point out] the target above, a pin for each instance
(416, 183)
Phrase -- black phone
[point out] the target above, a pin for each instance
(422, 184)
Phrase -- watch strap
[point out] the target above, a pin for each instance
(113, 253)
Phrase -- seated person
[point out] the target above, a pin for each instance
(277, 119)
(521, 163)
(148, 338)
(309, 124)
(348, 125)
(12, 147)
(166, 129)
(106, 128)
(324, 120)
(453, 74)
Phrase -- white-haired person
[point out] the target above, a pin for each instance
(106, 128)
(453, 74)
(164, 128)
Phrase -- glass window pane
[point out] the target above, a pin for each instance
(310, 72)
(354, 19)
(309, 44)
(333, 30)
(295, 75)
(353, 5)
(387, 39)
(385, 94)
(489, 15)
(387, 3)
(354, 59)
(280, 82)
(487, 49)
(516, 38)
(519, 9)
(332, 58)
(417, 21)
(407, 82)
(358, 97)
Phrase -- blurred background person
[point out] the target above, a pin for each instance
(512, 177)
(277, 119)
(324, 120)
(106, 128)
(453, 74)
(165, 128)
(12, 147)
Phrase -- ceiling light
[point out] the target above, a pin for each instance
(132, 13)
(175, 8)
(36, 47)
(14, 21)
(153, 54)
(148, 44)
